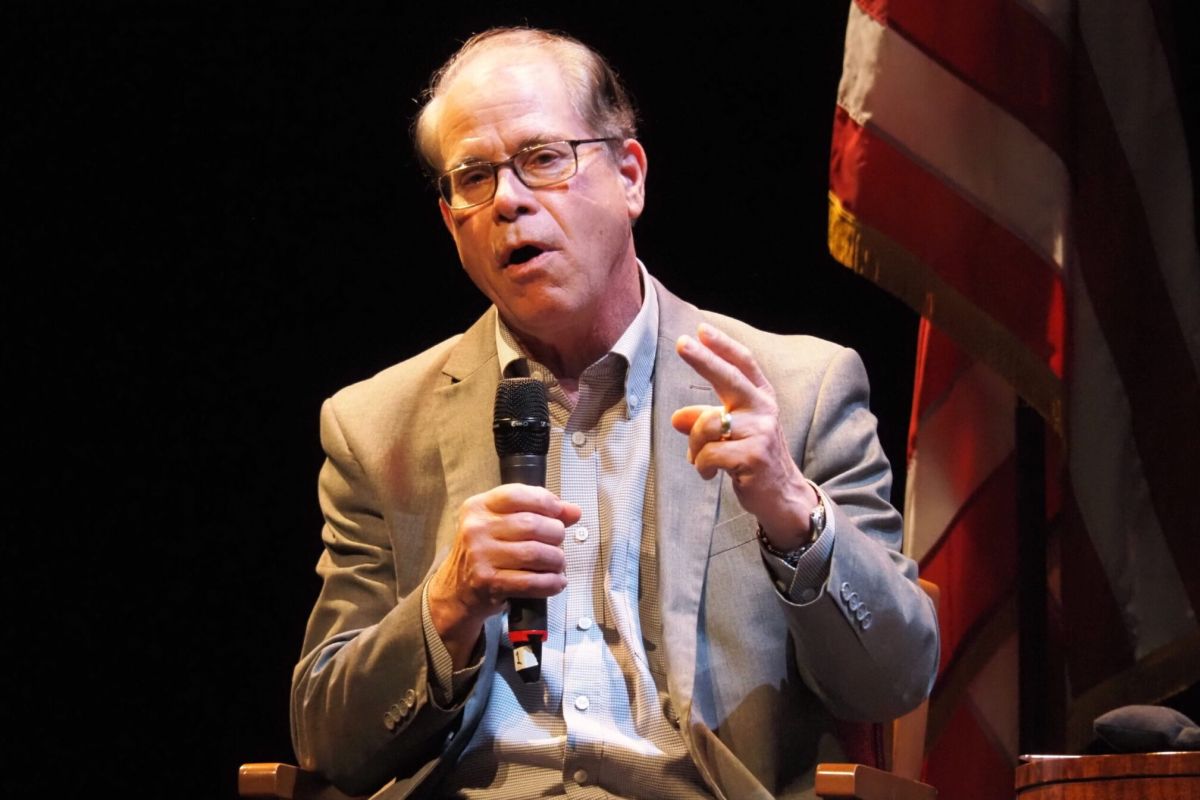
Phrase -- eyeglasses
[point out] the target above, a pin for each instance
(537, 166)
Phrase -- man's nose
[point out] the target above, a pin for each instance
(512, 198)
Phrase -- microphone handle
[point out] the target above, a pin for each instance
(527, 468)
(526, 615)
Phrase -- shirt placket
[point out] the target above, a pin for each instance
(584, 700)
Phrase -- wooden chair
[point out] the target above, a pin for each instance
(902, 743)
(286, 782)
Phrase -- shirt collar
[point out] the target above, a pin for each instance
(637, 346)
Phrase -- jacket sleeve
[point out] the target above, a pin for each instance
(867, 641)
(361, 706)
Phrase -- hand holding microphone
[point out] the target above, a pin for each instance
(508, 545)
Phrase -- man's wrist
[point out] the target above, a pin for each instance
(814, 521)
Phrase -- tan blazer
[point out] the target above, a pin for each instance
(753, 679)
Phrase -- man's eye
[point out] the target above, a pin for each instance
(543, 159)
(469, 178)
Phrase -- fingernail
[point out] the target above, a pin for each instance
(684, 342)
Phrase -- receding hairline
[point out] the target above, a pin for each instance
(576, 62)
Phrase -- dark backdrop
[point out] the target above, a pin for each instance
(214, 223)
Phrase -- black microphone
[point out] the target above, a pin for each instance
(521, 426)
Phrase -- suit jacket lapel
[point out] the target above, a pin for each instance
(464, 412)
(686, 505)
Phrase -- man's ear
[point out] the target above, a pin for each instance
(631, 162)
(447, 217)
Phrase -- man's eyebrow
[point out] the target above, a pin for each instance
(470, 160)
(534, 141)
(525, 143)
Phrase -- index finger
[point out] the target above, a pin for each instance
(734, 352)
(734, 388)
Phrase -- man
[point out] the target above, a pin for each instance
(714, 599)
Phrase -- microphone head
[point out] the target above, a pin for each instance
(521, 420)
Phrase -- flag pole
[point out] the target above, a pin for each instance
(1034, 680)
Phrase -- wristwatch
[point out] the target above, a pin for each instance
(816, 525)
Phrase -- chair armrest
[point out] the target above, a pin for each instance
(285, 782)
(860, 782)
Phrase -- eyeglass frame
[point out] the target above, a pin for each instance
(510, 162)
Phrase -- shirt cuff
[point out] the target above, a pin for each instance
(448, 687)
(802, 584)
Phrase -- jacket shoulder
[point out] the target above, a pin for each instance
(405, 385)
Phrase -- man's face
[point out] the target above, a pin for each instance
(555, 259)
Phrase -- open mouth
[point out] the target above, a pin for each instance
(524, 253)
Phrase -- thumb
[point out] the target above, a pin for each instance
(683, 419)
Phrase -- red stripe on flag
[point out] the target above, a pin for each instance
(978, 257)
(965, 762)
(1123, 279)
(975, 561)
(1024, 69)
(940, 362)
(875, 9)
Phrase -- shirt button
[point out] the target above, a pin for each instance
(633, 400)
(584, 623)
(578, 438)
(580, 776)
(581, 702)
(581, 533)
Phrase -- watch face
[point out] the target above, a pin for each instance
(816, 521)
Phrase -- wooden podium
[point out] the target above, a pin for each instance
(1138, 776)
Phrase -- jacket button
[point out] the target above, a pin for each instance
(845, 591)
(410, 697)
(866, 621)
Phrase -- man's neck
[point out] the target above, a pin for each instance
(570, 352)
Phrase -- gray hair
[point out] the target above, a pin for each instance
(597, 94)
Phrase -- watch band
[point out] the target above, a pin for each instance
(816, 523)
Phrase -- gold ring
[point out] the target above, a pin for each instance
(726, 425)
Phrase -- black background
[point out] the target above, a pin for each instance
(215, 222)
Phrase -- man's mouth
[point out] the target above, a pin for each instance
(524, 253)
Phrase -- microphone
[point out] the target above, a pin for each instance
(521, 427)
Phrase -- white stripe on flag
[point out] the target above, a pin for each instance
(993, 692)
(978, 412)
(1122, 41)
(944, 125)
(1113, 497)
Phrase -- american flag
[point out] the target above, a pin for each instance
(1017, 172)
